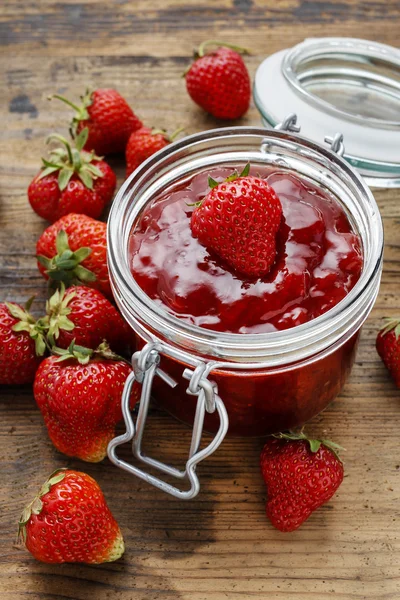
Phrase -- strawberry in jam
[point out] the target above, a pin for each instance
(317, 259)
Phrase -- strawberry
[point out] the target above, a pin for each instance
(69, 521)
(388, 347)
(21, 344)
(74, 250)
(300, 475)
(79, 394)
(72, 180)
(219, 81)
(108, 117)
(86, 316)
(143, 143)
(239, 219)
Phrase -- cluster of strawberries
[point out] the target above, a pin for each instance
(74, 353)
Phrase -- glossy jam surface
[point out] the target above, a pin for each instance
(318, 261)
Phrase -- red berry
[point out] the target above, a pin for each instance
(388, 348)
(51, 203)
(86, 316)
(86, 237)
(219, 82)
(300, 476)
(80, 400)
(239, 219)
(143, 143)
(108, 117)
(21, 345)
(69, 521)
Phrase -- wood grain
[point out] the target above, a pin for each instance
(220, 545)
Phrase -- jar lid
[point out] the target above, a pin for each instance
(339, 85)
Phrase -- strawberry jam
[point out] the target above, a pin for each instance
(318, 261)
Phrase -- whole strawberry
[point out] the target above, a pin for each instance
(69, 521)
(21, 344)
(219, 81)
(388, 347)
(143, 143)
(71, 180)
(239, 219)
(79, 394)
(108, 117)
(300, 475)
(74, 250)
(86, 316)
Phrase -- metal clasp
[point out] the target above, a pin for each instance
(336, 143)
(288, 124)
(145, 368)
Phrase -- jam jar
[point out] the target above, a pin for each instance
(238, 383)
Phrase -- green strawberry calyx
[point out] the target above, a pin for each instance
(36, 506)
(57, 311)
(168, 137)
(213, 183)
(235, 175)
(202, 48)
(66, 266)
(314, 444)
(81, 111)
(390, 325)
(71, 160)
(84, 355)
(26, 322)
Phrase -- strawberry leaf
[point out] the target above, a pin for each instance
(82, 253)
(16, 311)
(62, 242)
(86, 178)
(82, 138)
(84, 274)
(314, 445)
(94, 170)
(47, 171)
(64, 178)
(246, 170)
(212, 183)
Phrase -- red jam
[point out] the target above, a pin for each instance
(318, 261)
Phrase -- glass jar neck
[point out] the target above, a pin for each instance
(229, 147)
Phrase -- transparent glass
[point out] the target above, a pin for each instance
(268, 381)
(341, 85)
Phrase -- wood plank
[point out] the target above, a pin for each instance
(219, 545)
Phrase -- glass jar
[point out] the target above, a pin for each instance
(262, 383)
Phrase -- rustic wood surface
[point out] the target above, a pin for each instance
(219, 545)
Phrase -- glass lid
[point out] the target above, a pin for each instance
(339, 85)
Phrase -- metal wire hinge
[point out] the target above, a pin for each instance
(288, 124)
(336, 143)
(145, 365)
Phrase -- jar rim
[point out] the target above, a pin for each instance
(151, 321)
(296, 59)
(348, 85)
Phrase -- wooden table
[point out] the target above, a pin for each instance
(219, 545)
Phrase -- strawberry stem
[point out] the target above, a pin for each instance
(61, 138)
(175, 133)
(65, 100)
(203, 46)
